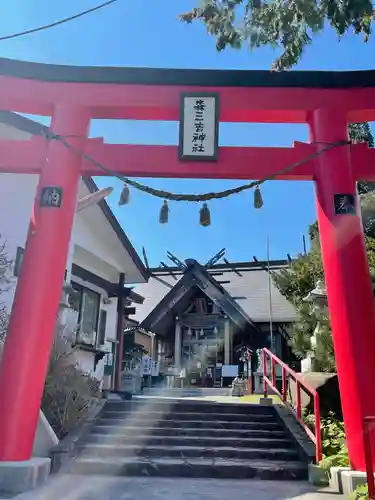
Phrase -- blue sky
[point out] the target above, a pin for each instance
(145, 33)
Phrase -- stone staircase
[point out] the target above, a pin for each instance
(172, 438)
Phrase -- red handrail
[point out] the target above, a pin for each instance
(285, 372)
(368, 422)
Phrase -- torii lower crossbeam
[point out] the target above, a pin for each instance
(255, 163)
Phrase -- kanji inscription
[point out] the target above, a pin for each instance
(199, 127)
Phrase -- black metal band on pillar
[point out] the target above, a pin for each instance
(119, 332)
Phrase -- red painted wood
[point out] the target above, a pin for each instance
(161, 102)
(162, 161)
(349, 287)
(28, 343)
(300, 385)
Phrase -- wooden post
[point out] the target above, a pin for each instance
(120, 331)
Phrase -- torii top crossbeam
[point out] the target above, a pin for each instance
(326, 101)
(155, 94)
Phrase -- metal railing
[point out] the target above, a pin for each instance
(368, 423)
(288, 373)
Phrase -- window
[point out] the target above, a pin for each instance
(102, 326)
(87, 303)
(18, 262)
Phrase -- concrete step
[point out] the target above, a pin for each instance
(161, 451)
(196, 392)
(123, 433)
(182, 416)
(198, 468)
(117, 423)
(168, 406)
(209, 442)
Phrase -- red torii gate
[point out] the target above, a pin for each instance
(73, 95)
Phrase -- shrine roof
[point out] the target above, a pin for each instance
(187, 77)
(250, 291)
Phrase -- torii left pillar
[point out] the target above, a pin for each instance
(30, 335)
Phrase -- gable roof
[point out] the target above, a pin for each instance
(196, 276)
(32, 127)
(250, 290)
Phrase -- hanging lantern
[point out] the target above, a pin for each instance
(164, 213)
(125, 195)
(216, 331)
(201, 333)
(189, 332)
(258, 200)
(204, 216)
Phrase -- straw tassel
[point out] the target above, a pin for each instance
(125, 195)
(204, 216)
(258, 200)
(164, 213)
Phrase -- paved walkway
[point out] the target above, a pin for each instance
(108, 488)
(157, 394)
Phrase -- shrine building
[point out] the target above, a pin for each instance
(203, 316)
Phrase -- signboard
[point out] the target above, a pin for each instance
(199, 127)
(155, 368)
(146, 365)
(229, 371)
(344, 204)
(173, 370)
(110, 347)
(150, 367)
(51, 197)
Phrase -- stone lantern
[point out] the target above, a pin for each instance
(318, 297)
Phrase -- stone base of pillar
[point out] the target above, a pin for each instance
(19, 477)
(266, 401)
(350, 480)
(258, 383)
(335, 480)
(306, 365)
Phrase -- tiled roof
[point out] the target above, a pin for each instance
(250, 291)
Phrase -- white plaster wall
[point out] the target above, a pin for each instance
(17, 194)
(85, 360)
(89, 238)
(94, 244)
(95, 234)
(111, 320)
(94, 264)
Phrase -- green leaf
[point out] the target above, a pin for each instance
(288, 25)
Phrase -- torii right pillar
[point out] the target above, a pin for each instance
(349, 287)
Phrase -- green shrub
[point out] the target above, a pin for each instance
(360, 493)
(333, 436)
(68, 392)
(340, 459)
(335, 452)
